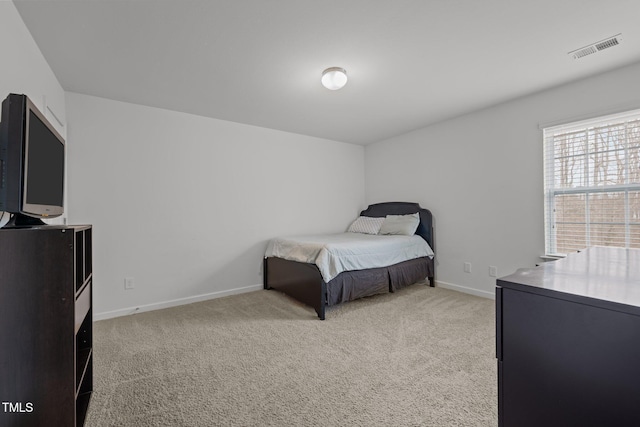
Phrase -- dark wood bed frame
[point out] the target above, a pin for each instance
(303, 281)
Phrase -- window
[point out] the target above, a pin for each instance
(592, 183)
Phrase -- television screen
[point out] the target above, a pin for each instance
(31, 164)
(45, 173)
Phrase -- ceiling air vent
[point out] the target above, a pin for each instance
(596, 47)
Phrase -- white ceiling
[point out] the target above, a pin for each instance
(410, 63)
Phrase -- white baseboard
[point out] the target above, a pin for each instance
(466, 290)
(173, 303)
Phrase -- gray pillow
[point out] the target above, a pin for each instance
(366, 225)
(400, 224)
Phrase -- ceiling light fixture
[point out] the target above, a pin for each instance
(334, 78)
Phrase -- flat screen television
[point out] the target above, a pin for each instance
(31, 164)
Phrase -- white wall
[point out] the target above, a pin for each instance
(481, 176)
(24, 70)
(186, 204)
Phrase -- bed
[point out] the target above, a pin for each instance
(320, 287)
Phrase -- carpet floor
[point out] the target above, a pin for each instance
(419, 357)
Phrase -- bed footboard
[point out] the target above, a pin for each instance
(298, 280)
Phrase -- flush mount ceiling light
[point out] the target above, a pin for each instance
(334, 78)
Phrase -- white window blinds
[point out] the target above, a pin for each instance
(592, 183)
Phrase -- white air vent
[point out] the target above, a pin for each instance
(596, 47)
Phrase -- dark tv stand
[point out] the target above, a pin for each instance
(23, 221)
(46, 325)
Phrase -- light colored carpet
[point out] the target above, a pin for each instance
(419, 357)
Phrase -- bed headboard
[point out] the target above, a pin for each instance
(425, 228)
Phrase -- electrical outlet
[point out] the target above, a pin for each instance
(129, 283)
(493, 271)
(467, 267)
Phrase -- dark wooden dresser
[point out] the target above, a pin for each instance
(46, 359)
(568, 341)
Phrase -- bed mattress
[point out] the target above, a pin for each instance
(335, 253)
